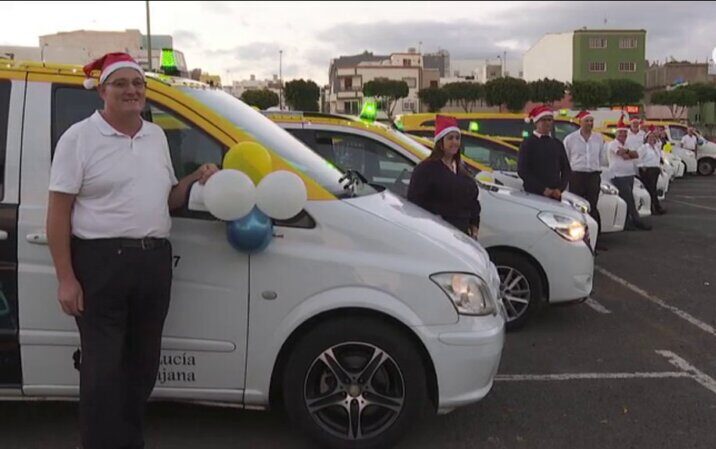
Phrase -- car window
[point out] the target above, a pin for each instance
(189, 146)
(71, 105)
(379, 163)
(4, 118)
(563, 129)
(490, 153)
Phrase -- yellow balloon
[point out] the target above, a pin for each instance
(250, 158)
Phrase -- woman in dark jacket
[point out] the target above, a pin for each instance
(442, 185)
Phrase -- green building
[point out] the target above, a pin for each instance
(588, 55)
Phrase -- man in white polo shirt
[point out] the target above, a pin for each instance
(690, 141)
(111, 188)
(586, 153)
(622, 166)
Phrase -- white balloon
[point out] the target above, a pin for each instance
(229, 195)
(281, 195)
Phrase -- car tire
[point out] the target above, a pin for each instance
(705, 167)
(384, 407)
(520, 271)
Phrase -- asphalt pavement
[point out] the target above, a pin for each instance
(634, 367)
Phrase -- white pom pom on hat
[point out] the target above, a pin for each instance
(89, 83)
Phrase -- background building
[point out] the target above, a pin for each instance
(588, 55)
(348, 74)
(237, 88)
(439, 60)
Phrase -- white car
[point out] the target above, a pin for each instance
(642, 200)
(612, 209)
(543, 249)
(362, 313)
(705, 153)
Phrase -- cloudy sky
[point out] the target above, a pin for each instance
(236, 39)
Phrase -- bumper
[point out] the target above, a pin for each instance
(612, 212)
(569, 267)
(465, 356)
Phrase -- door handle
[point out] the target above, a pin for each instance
(3, 235)
(39, 238)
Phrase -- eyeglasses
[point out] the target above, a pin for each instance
(137, 83)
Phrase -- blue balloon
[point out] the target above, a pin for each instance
(251, 233)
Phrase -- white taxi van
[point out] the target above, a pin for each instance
(363, 312)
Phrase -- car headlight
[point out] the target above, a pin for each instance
(567, 227)
(608, 189)
(468, 293)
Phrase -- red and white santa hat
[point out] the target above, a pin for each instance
(538, 113)
(621, 126)
(106, 65)
(444, 125)
(583, 114)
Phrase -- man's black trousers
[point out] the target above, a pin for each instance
(650, 177)
(126, 286)
(587, 185)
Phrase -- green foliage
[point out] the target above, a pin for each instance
(546, 90)
(511, 92)
(262, 99)
(590, 94)
(624, 92)
(388, 92)
(302, 95)
(434, 97)
(465, 94)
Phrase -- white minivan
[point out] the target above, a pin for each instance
(363, 312)
(543, 249)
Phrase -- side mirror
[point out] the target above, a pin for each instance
(196, 199)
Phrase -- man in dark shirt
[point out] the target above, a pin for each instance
(543, 164)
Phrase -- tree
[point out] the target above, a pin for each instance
(465, 94)
(434, 97)
(302, 95)
(677, 100)
(590, 94)
(262, 99)
(387, 92)
(546, 90)
(705, 93)
(511, 92)
(624, 92)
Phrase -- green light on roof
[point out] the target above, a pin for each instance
(563, 112)
(399, 125)
(525, 134)
(369, 111)
(474, 127)
(168, 59)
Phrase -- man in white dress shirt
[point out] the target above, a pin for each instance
(650, 169)
(690, 141)
(622, 162)
(586, 153)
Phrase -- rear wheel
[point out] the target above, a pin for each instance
(706, 167)
(520, 287)
(356, 383)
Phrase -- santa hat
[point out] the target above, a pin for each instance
(584, 114)
(538, 112)
(108, 64)
(444, 125)
(621, 126)
(636, 119)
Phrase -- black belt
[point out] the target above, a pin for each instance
(145, 244)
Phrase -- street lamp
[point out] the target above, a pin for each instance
(280, 80)
(149, 39)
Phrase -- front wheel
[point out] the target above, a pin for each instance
(356, 383)
(520, 286)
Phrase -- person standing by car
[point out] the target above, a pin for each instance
(635, 135)
(440, 184)
(650, 168)
(690, 141)
(543, 164)
(586, 153)
(621, 166)
(111, 188)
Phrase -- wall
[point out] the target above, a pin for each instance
(612, 55)
(550, 57)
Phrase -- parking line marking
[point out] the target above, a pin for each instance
(594, 304)
(692, 205)
(675, 310)
(591, 376)
(699, 376)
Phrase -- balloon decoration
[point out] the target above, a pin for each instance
(251, 233)
(250, 158)
(232, 195)
(229, 194)
(281, 195)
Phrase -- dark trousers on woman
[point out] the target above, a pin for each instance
(126, 286)
(650, 177)
(587, 185)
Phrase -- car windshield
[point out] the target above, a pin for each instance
(278, 140)
(562, 129)
(420, 150)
